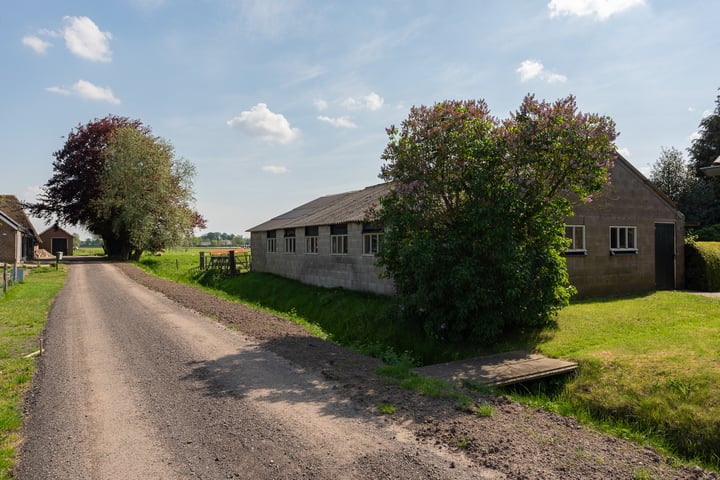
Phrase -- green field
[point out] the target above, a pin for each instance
(649, 369)
(23, 311)
(649, 365)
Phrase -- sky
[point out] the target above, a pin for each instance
(278, 102)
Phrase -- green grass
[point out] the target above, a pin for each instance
(23, 311)
(649, 365)
(89, 251)
(648, 370)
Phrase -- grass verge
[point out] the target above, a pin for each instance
(23, 312)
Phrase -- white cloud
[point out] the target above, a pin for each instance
(624, 151)
(531, 69)
(320, 104)
(694, 136)
(261, 122)
(371, 102)
(339, 122)
(84, 39)
(602, 9)
(31, 193)
(36, 43)
(274, 169)
(87, 90)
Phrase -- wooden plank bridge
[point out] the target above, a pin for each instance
(501, 369)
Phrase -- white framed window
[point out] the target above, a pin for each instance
(271, 245)
(339, 244)
(576, 235)
(289, 244)
(311, 240)
(372, 243)
(339, 239)
(289, 237)
(311, 245)
(623, 239)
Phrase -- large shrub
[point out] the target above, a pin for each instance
(474, 224)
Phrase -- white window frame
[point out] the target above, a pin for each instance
(368, 244)
(625, 242)
(290, 244)
(312, 245)
(577, 239)
(338, 244)
(271, 245)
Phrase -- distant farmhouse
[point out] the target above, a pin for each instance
(629, 239)
(18, 237)
(55, 239)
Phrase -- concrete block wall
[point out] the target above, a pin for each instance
(626, 201)
(353, 271)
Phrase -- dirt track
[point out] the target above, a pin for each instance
(134, 386)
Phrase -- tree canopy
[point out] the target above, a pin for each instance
(673, 175)
(123, 184)
(474, 223)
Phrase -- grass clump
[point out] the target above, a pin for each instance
(386, 408)
(23, 312)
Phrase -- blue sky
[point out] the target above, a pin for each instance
(279, 102)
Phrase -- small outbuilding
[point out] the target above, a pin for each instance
(56, 239)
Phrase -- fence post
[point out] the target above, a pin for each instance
(5, 279)
(233, 265)
(202, 260)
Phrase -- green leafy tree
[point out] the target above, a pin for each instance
(74, 193)
(672, 174)
(701, 204)
(705, 149)
(474, 223)
(146, 192)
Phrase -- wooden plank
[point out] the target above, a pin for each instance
(501, 369)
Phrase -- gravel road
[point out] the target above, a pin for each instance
(134, 386)
(145, 378)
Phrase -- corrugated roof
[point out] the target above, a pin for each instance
(12, 207)
(329, 210)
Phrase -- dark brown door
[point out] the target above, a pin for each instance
(59, 245)
(664, 256)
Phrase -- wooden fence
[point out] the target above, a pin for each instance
(230, 262)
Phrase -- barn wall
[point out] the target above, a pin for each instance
(353, 271)
(627, 201)
(53, 232)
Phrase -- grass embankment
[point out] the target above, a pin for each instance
(23, 311)
(648, 365)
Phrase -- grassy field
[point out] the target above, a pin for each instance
(649, 369)
(649, 365)
(23, 311)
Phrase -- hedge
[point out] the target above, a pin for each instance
(702, 266)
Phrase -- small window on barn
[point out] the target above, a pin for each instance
(623, 240)
(338, 239)
(576, 235)
(271, 245)
(311, 240)
(289, 235)
(372, 238)
(372, 243)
